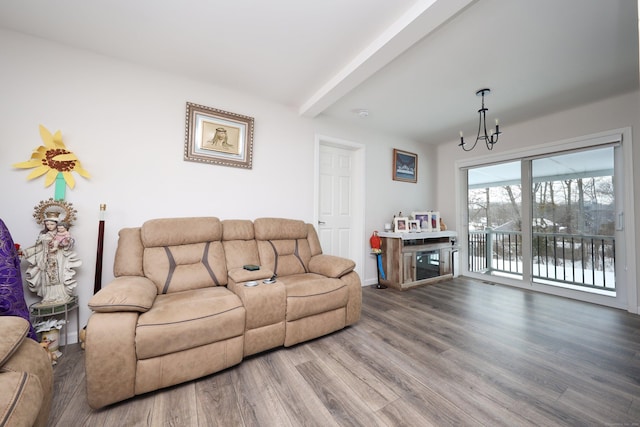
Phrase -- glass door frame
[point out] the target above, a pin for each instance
(626, 273)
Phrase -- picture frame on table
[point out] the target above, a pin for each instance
(405, 166)
(424, 218)
(435, 221)
(218, 137)
(414, 226)
(401, 224)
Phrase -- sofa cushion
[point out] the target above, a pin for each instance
(14, 329)
(188, 319)
(314, 241)
(184, 267)
(240, 252)
(279, 229)
(128, 259)
(331, 266)
(285, 257)
(26, 376)
(180, 231)
(240, 247)
(237, 229)
(20, 400)
(310, 294)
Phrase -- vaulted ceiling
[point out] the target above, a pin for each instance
(415, 66)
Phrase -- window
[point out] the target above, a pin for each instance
(574, 209)
(553, 218)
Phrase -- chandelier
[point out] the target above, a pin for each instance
(490, 138)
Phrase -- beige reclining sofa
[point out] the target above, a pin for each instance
(179, 307)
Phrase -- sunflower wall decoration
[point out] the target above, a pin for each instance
(54, 160)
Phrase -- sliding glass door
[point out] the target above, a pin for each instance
(548, 220)
(495, 220)
(574, 215)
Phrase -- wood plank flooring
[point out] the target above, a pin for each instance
(459, 352)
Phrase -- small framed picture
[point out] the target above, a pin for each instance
(424, 220)
(414, 226)
(405, 166)
(401, 224)
(435, 221)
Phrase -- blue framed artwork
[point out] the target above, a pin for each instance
(405, 166)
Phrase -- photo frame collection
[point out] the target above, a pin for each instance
(426, 221)
(223, 138)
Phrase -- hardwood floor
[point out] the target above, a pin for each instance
(459, 352)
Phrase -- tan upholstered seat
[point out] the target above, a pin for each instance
(179, 307)
(183, 320)
(26, 376)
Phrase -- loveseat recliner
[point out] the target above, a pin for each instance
(179, 307)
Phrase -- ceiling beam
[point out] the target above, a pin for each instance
(415, 24)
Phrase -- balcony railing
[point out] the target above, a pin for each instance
(580, 260)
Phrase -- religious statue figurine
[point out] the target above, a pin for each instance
(52, 261)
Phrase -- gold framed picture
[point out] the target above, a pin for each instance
(218, 137)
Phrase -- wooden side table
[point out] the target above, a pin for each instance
(413, 259)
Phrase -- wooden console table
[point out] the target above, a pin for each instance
(413, 259)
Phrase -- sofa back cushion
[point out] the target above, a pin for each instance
(314, 241)
(183, 253)
(128, 260)
(282, 245)
(238, 241)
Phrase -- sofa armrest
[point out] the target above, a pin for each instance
(14, 330)
(126, 293)
(241, 275)
(26, 376)
(110, 357)
(330, 265)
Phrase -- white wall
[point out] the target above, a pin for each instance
(126, 124)
(614, 113)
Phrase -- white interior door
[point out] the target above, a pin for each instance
(340, 199)
(335, 219)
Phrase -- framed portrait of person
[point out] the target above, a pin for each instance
(401, 225)
(424, 220)
(218, 137)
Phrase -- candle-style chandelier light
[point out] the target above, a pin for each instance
(489, 139)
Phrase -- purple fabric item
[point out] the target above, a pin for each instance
(12, 302)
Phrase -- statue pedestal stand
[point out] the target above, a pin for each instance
(45, 311)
